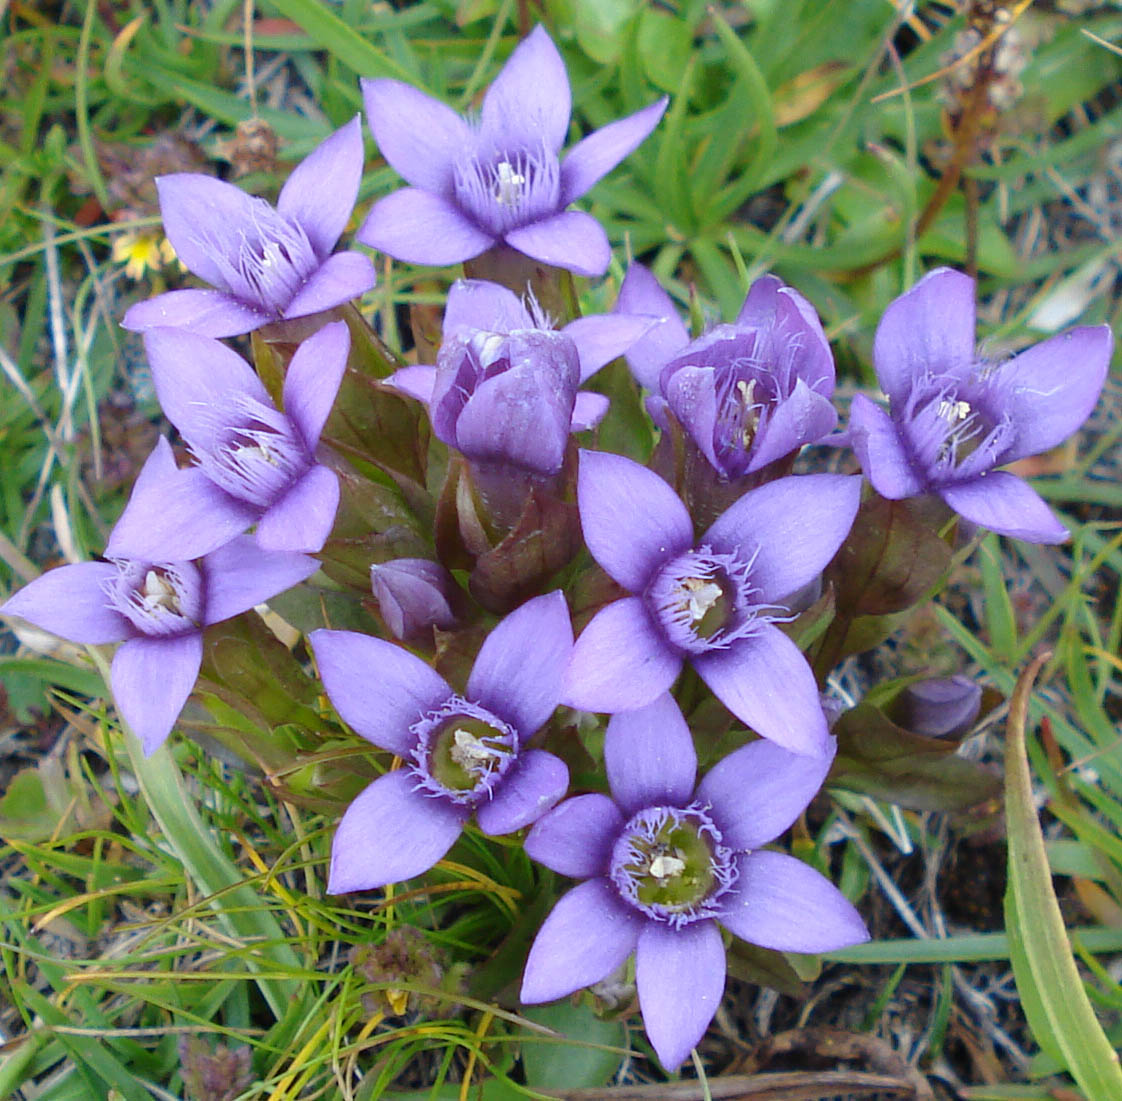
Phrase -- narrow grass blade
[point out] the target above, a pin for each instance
(1049, 983)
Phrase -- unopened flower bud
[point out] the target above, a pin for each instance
(413, 595)
(217, 1075)
(942, 707)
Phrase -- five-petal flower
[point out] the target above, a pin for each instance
(498, 180)
(665, 861)
(266, 263)
(955, 416)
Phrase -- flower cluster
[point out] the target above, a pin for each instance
(712, 557)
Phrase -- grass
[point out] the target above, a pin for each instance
(147, 901)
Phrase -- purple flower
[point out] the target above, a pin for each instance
(713, 602)
(955, 415)
(504, 386)
(746, 393)
(463, 753)
(255, 463)
(158, 608)
(478, 183)
(414, 595)
(664, 862)
(268, 264)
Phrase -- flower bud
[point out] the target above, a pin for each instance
(413, 595)
(942, 707)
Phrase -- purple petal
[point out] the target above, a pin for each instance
(620, 661)
(520, 415)
(206, 312)
(632, 520)
(680, 975)
(691, 392)
(805, 417)
(338, 279)
(587, 935)
(881, 452)
(758, 311)
(181, 517)
(313, 379)
(641, 295)
(417, 381)
(780, 312)
(765, 682)
(414, 595)
(572, 240)
(536, 783)
(70, 602)
(576, 838)
(151, 680)
(241, 575)
(929, 329)
(478, 304)
(302, 519)
(518, 671)
(529, 102)
(195, 376)
(780, 902)
(595, 156)
(391, 832)
(422, 228)
(756, 792)
(204, 218)
(378, 689)
(649, 756)
(419, 136)
(1054, 387)
(602, 337)
(771, 522)
(589, 409)
(1006, 504)
(321, 191)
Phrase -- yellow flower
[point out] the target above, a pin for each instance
(139, 251)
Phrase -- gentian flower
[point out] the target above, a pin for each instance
(266, 264)
(713, 602)
(255, 463)
(955, 416)
(664, 861)
(414, 595)
(463, 753)
(158, 609)
(748, 393)
(475, 184)
(504, 385)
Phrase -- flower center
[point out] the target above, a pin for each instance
(670, 864)
(462, 750)
(952, 434)
(273, 261)
(509, 189)
(253, 452)
(705, 601)
(160, 599)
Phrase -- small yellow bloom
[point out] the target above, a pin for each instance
(141, 251)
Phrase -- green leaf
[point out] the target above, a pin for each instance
(581, 1058)
(344, 43)
(1048, 981)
